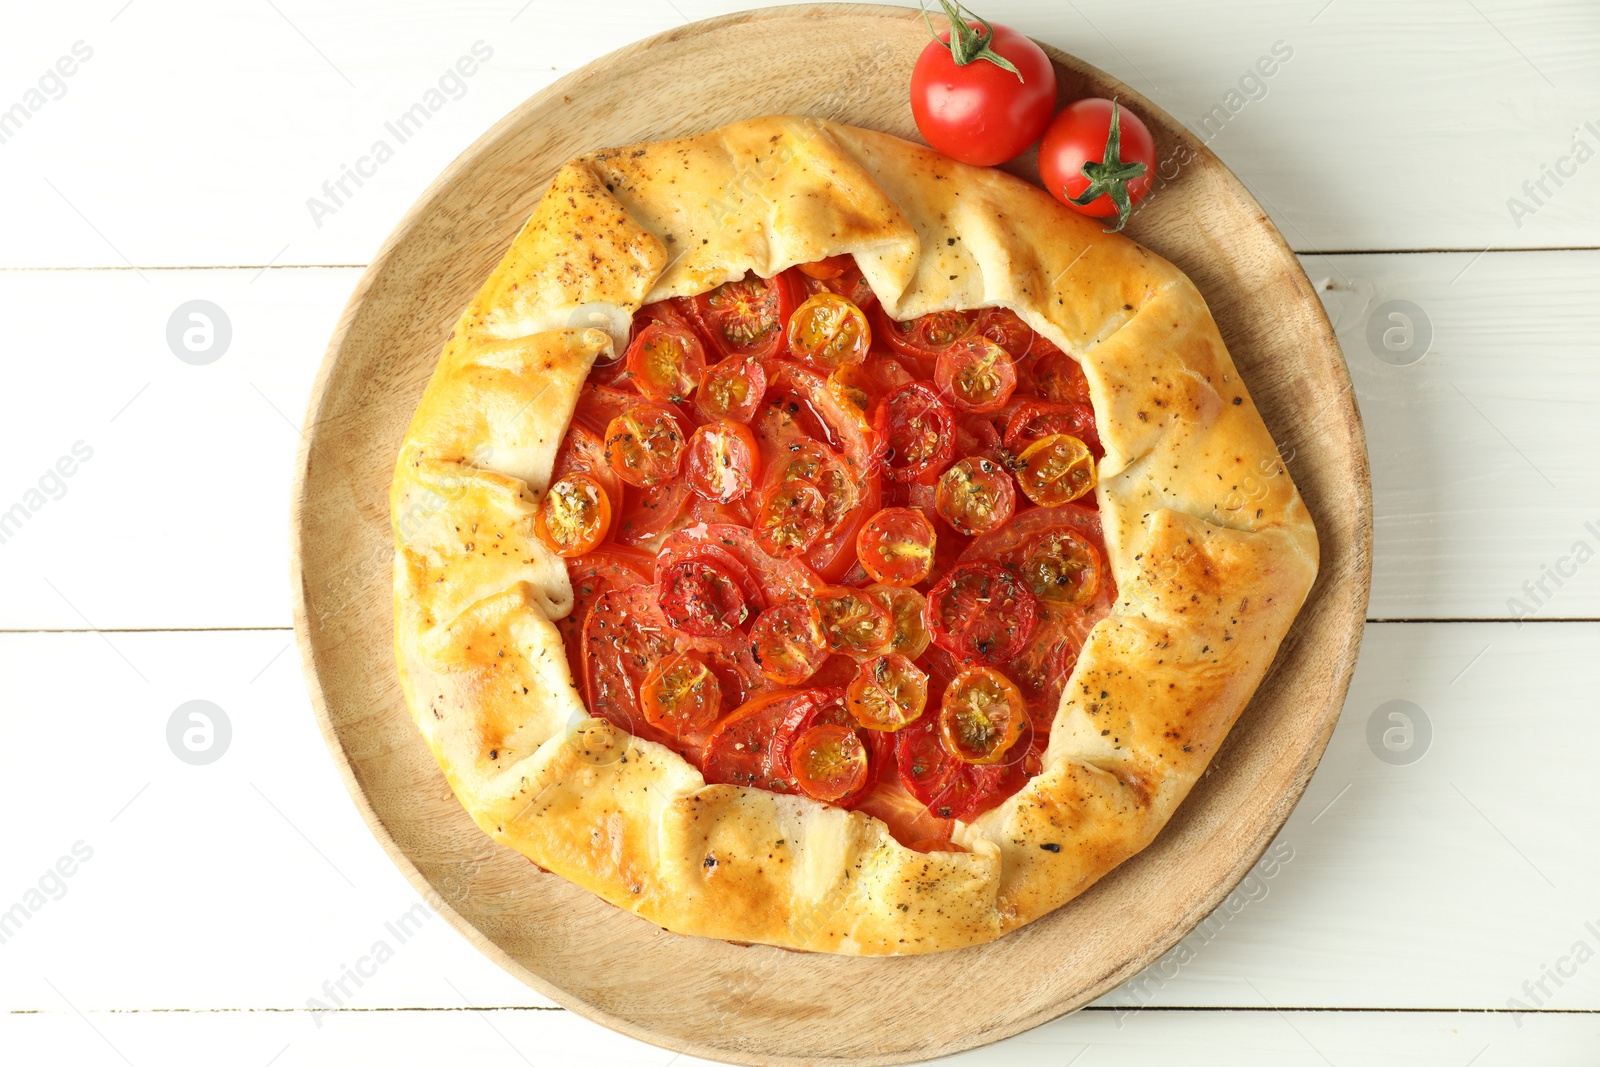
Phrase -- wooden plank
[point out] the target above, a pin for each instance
(511, 1037)
(1395, 886)
(223, 148)
(188, 485)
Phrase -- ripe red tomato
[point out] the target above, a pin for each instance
(984, 96)
(1082, 153)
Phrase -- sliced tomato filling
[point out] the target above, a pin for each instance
(844, 557)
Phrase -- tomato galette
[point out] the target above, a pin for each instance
(808, 539)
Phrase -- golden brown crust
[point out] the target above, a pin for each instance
(1211, 547)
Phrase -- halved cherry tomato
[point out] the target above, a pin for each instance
(681, 693)
(574, 514)
(1006, 329)
(666, 362)
(722, 463)
(699, 596)
(981, 609)
(746, 317)
(645, 444)
(976, 375)
(849, 283)
(895, 547)
(887, 693)
(1042, 546)
(582, 450)
(852, 622)
(916, 431)
(828, 331)
(751, 745)
(787, 643)
(859, 386)
(981, 715)
(975, 496)
(926, 336)
(791, 518)
(1033, 419)
(1055, 470)
(828, 762)
(906, 608)
(1061, 567)
(732, 389)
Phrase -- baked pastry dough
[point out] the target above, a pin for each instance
(1210, 546)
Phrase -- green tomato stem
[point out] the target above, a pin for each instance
(968, 45)
(1111, 176)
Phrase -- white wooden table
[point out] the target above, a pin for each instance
(1436, 898)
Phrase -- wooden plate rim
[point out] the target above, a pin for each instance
(1359, 574)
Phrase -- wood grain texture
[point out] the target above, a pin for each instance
(756, 1004)
(512, 1038)
(1389, 863)
(1515, 333)
(215, 107)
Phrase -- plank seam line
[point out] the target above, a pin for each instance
(124, 268)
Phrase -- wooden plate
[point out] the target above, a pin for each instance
(758, 1004)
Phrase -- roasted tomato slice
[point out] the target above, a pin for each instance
(888, 693)
(895, 547)
(666, 362)
(733, 389)
(787, 643)
(925, 767)
(1056, 470)
(746, 317)
(622, 642)
(573, 515)
(925, 337)
(1056, 375)
(975, 496)
(700, 597)
(681, 693)
(852, 621)
(981, 715)
(976, 375)
(906, 608)
(722, 463)
(1057, 554)
(828, 762)
(1034, 419)
(827, 331)
(604, 569)
(777, 580)
(645, 444)
(838, 275)
(648, 514)
(823, 270)
(981, 609)
(916, 433)
(751, 745)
